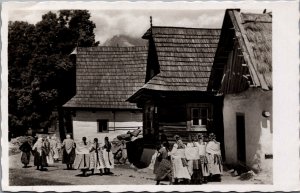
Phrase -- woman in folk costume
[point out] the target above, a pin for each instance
(213, 152)
(96, 157)
(180, 170)
(194, 163)
(82, 160)
(40, 160)
(108, 156)
(54, 147)
(203, 159)
(164, 169)
(68, 146)
(49, 157)
(26, 150)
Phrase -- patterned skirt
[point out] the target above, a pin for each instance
(97, 160)
(82, 161)
(25, 158)
(164, 170)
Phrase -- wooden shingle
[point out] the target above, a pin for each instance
(107, 76)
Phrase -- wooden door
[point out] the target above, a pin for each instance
(240, 135)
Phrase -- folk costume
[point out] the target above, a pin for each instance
(40, 160)
(96, 157)
(214, 157)
(108, 156)
(164, 169)
(180, 170)
(82, 160)
(26, 150)
(68, 146)
(194, 163)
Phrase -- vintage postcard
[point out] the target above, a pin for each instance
(150, 96)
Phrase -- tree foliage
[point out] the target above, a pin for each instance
(41, 75)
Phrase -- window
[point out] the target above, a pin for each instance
(199, 116)
(102, 125)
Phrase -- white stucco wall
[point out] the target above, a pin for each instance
(85, 124)
(258, 129)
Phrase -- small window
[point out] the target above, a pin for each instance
(102, 125)
(199, 116)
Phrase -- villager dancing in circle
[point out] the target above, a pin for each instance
(108, 156)
(164, 166)
(26, 150)
(203, 158)
(40, 149)
(194, 163)
(82, 160)
(68, 146)
(214, 157)
(49, 157)
(54, 147)
(96, 157)
(179, 162)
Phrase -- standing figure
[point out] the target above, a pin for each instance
(54, 148)
(180, 170)
(82, 160)
(26, 149)
(203, 158)
(40, 160)
(164, 169)
(194, 163)
(96, 157)
(49, 157)
(68, 152)
(214, 157)
(124, 152)
(108, 156)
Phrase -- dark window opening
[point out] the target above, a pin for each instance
(199, 116)
(102, 125)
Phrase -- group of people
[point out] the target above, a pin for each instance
(197, 162)
(85, 156)
(45, 151)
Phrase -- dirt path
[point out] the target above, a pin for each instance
(123, 174)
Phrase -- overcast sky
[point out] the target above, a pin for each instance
(135, 22)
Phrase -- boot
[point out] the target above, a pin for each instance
(101, 173)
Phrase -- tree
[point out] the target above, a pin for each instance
(41, 75)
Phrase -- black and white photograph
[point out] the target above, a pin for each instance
(141, 96)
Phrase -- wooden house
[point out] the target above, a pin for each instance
(174, 97)
(105, 78)
(242, 73)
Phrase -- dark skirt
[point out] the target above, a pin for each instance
(197, 176)
(40, 159)
(68, 158)
(164, 170)
(25, 158)
(156, 165)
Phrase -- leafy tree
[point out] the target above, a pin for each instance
(41, 75)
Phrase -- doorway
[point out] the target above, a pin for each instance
(240, 136)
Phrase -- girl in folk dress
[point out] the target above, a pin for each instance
(96, 157)
(68, 151)
(214, 157)
(26, 150)
(54, 147)
(194, 163)
(82, 160)
(203, 159)
(40, 160)
(164, 169)
(50, 159)
(180, 170)
(108, 157)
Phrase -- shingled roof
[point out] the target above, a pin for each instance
(253, 33)
(185, 57)
(107, 76)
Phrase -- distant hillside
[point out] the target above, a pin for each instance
(123, 40)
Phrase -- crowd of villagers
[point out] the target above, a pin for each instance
(197, 162)
(85, 156)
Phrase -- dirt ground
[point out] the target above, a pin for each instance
(122, 174)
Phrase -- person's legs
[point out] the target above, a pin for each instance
(101, 172)
(157, 182)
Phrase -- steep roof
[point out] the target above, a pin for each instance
(253, 33)
(185, 57)
(107, 76)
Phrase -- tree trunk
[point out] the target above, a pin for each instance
(61, 124)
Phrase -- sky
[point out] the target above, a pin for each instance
(134, 22)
